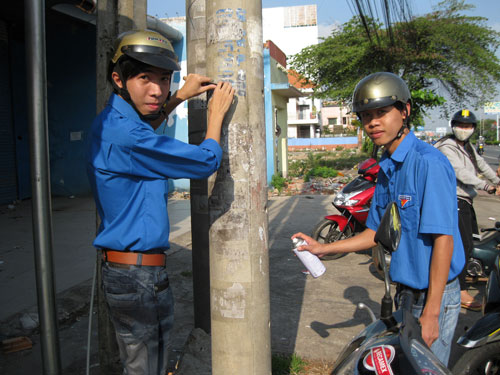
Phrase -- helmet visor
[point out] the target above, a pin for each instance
(371, 103)
(154, 56)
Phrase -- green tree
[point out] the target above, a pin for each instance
(444, 49)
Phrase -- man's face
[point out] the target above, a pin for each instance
(149, 90)
(383, 124)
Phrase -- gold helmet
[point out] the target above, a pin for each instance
(148, 47)
(379, 90)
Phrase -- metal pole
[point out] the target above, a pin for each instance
(40, 180)
(197, 119)
(498, 128)
(239, 259)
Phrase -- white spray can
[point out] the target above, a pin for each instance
(313, 264)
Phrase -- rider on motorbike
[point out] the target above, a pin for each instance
(467, 164)
(421, 181)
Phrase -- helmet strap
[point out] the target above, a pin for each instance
(405, 125)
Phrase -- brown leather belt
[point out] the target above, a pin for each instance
(137, 258)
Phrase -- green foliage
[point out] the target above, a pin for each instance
(322, 171)
(345, 162)
(278, 182)
(296, 168)
(444, 48)
(367, 146)
(339, 148)
(488, 129)
(287, 364)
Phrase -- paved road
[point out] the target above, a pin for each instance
(314, 318)
(492, 156)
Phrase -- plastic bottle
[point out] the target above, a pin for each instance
(313, 264)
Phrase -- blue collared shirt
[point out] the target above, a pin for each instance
(129, 166)
(422, 183)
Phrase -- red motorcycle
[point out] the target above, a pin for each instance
(353, 202)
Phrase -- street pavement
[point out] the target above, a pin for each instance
(314, 318)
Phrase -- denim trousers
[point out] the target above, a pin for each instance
(448, 317)
(141, 307)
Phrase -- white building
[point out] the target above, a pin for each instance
(336, 119)
(292, 29)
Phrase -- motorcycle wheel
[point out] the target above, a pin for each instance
(481, 360)
(326, 231)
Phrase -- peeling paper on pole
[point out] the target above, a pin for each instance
(230, 303)
(227, 31)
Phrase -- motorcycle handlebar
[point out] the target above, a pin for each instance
(496, 228)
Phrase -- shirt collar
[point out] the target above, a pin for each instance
(120, 105)
(406, 145)
(399, 155)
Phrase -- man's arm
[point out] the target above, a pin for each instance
(442, 252)
(362, 241)
(217, 108)
(195, 85)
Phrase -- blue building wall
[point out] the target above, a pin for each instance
(322, 141)
(268, 109)
(71, 89)
(71, 56)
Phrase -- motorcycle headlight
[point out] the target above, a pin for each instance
(342, 199)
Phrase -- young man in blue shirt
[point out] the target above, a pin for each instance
(422, 183)
(129, 166)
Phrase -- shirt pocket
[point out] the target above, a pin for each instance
(408, 210)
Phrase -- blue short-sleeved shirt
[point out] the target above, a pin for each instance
(129, 166)
(422, 183)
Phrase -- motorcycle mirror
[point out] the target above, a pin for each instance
(389, 231)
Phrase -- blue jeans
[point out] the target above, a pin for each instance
(448, 317)
(141, 307)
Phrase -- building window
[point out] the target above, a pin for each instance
(303, 132)
(303, 108)
(332, 120)
(344, 120)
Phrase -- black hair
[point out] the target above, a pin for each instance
(126, 67)
(130, 67)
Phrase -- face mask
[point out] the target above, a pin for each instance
(462, 134)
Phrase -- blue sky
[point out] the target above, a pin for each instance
(334, 12)
(331, 12)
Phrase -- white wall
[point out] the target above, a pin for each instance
(290, 40)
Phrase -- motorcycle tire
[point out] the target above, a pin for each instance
(326, 231)
(481, 360)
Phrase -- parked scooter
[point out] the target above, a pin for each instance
(482, 340)
(393, 344)
(353, 202)
(483, 254)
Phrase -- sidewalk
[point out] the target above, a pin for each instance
(314, 318)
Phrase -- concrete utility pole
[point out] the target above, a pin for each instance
(36, 77)
(113, 18)
(239, 261)
(197, 120)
